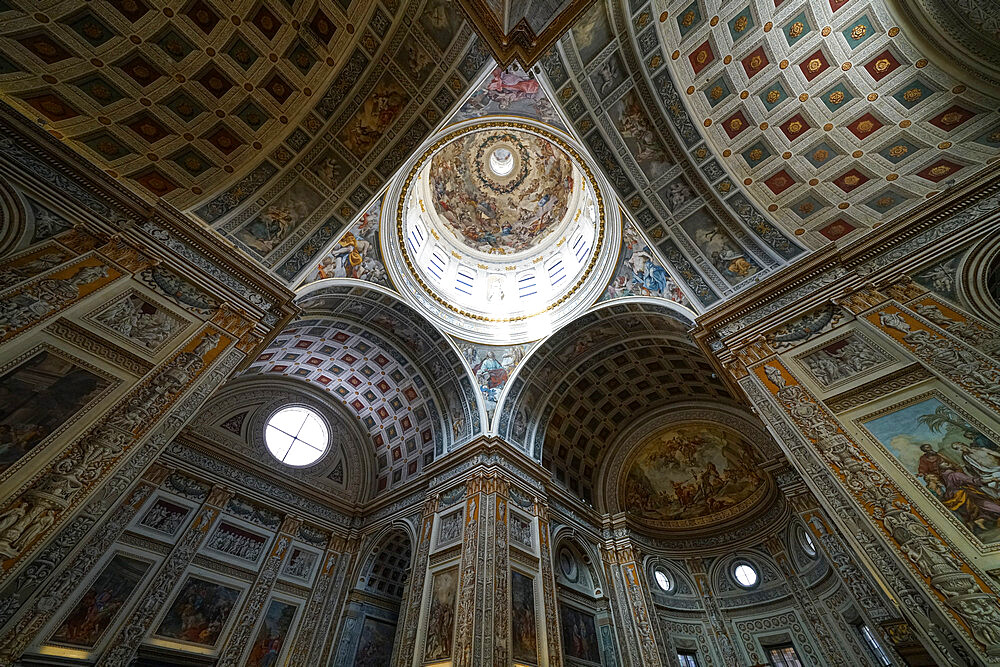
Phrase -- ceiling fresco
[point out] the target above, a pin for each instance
(691, 475)
(177, 98)
(521, 29)
(494, 212)
(390, 93)
(827, 113)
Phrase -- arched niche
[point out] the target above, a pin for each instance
(400, 379)
(689, 469)
(581, 387)
(372, 617)
(585, 621)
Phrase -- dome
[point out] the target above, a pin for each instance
(501, 231)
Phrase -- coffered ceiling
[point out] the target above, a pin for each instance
(176, 97)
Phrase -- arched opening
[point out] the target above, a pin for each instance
(373, 612)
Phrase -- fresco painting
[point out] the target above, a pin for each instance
(592, 32)
(524, 631)
(330, 168)
(356, 254)
(953, 459)
(633, 124)
(199, 612)
(38, 397)
(374, 116)
(689, 473)
(493, 365)
(272, 634)
(441, 618)
(375, 644)
(414, 60)
(94, 613)
(727, 256)
(33, 264)
(640, 272)
(279, 218)
(512, 92)
(579, 634)
(441, 20)
(501, 215)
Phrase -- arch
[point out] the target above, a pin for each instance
(759, 448)
(234, 418)
(584, 609)
(13, 220)
(375, 604)
(401, 379)
(979, 279)
(768, 572)
(585, 384)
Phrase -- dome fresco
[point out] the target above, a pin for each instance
(501, 230)
(501, 192)
(691, 475)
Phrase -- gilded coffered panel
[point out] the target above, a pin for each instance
(826, 112)
(177, 98)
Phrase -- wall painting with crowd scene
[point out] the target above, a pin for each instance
(692, 474)
(100, 603)
(955, 460)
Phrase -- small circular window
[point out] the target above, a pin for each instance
(567, 564)
(806, 542)
(745, 574)
(663, 580)
(296, 436)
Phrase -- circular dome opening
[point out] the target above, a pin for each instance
(501, 233)
(296, 436)
(663, 580)
(745, 575)
(501, 162)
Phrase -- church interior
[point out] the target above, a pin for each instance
(500, 333)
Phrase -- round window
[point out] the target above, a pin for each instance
(806, 542)
(296, 436)
(567, 563)
(745, 575)
(663, 580)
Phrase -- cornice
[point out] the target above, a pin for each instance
(117, 210)
(836, 270)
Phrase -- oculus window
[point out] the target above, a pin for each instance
(663, 580)
(745, 574)
(296, 436)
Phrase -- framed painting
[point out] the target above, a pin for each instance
(238, 543)
(139, 321)
(441, 615)
(42, 393)
(954, 458)
(579, 634)
(272, 635)
(835, 363)
(375, 644)
(524, 630)
(101, 602)
(163, 518)
(199, 612)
